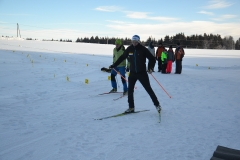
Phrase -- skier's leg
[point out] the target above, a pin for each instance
(144, 80)
(131, 83)
(113, 79)
(123, 72)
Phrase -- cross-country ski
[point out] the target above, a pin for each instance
(120, 114)
(119, 97)
(109, 93)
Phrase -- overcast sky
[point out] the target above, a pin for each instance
(85, 18)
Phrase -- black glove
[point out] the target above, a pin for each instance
(127, 69)
(150, 71)
(111, 66)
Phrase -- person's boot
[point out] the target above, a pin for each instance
(113, 90)
(129, 110)
(159, 108)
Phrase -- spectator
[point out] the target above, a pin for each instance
(170, 59)
(159, 51)
(179, 54)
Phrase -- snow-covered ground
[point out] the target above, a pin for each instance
(45, 116)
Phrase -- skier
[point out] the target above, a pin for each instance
(179, 54)
(137, 54)
(170, 59)
(121, 67)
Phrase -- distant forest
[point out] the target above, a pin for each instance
(205, 41)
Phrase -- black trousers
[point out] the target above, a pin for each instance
(164, 67)
(144, 80)
(178, 67)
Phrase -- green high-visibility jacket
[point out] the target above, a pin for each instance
(117, 54)
(164, 57)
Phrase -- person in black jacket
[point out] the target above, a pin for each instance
(137, 54)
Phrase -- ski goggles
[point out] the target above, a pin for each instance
(134, 41)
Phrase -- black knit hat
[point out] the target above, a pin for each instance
(178, 43)
(170, 46)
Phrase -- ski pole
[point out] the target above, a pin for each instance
(122, 76)
(161, 86)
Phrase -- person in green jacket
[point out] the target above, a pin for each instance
(164, 60)
(117, 52)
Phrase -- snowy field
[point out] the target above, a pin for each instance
(47, 110)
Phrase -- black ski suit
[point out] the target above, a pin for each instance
(137, 56)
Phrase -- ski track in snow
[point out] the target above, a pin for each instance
(46, 117)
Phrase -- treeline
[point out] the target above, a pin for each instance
(103, 40)
(205, 41)
(61, 40)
